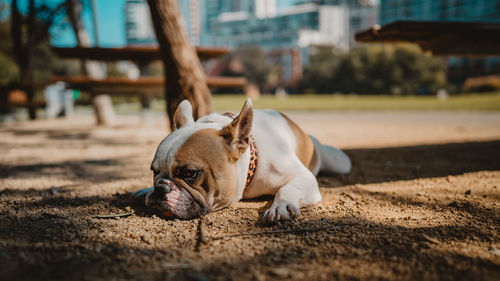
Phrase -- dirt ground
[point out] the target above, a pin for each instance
(422, 203)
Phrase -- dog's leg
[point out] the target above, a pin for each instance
(300, 191)
(141, 194)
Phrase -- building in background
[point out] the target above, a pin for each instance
(138, 26)
(449, 10)
(286, 29)
(287, 24)
(362, 15)
(453, 10)
(193, 14)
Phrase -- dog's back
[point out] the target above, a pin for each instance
(318, 158)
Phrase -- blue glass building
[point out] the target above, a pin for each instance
(287, 23)
(451, 10)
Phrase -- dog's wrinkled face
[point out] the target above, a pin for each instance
(195, 166)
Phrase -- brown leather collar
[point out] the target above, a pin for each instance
(252, 165)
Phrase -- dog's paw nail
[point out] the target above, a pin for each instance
(265, 218)
(281, 213)
(293, 210)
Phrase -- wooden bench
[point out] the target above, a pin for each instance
(145, 86)
(30, 105)
(14, 96)
(139, 54)
(149, 86)
(142, 55)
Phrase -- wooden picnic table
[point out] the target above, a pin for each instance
(143, 85)
(141, 53)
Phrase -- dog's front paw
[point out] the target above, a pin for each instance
(141, 196)
(281, 212)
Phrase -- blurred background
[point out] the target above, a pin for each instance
(284, 49)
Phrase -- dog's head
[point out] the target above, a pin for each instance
(195, 167)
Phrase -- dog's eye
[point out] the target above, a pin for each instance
(155, 172)
(189, 175)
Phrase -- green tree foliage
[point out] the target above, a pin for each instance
(320, 72)
(45, 63)
(8, 68)
(374, 69)
(112, 70)
(255, 67)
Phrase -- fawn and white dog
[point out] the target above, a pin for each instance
(207, 164)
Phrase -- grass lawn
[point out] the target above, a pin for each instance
(475, 102)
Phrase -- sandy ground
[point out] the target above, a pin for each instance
(422, 203)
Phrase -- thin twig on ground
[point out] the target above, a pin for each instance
(173, 266)
(55, 189)
(430, 239)
(201, 235)
(254, 233)
(110, 216)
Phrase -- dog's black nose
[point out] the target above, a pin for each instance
(162, 187)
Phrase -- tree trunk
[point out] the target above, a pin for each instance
(184, 77)
(103, 108)
(23, 51)
(27, 31)
(91, 68)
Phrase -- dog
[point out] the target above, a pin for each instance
(205, 165)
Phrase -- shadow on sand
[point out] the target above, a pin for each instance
(424, 161)
(44, 244)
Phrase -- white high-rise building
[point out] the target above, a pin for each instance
(138, 26)
(265, 8)
(333, 28)
(194, 22)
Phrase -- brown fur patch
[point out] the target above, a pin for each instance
(206, 150)
(305, 146)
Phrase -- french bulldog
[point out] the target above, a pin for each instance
(205, 165)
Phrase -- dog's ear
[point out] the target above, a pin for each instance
(183, 114)
(237, 133)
